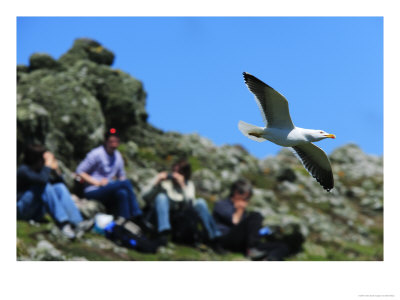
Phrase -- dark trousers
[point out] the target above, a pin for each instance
(119, 197)
(276, 250)
(244, 235)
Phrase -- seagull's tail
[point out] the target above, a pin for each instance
(251, 131)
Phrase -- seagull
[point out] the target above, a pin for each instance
(281, 131)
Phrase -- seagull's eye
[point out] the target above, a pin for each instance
(321, 132)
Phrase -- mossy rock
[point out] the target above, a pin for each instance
(87, 49)
(75, 114)
(42, 61)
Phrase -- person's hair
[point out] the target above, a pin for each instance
(241, 186)
(110, 132)
(34, 154)
(184, 168)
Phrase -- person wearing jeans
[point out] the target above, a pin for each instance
(162, 206)
(54, 198)
(120, 191)
(201, 207)
(174, 190)
(102, 171)
(36, 195)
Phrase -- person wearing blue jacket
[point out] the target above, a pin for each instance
(37, 194)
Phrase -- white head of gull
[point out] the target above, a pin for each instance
(281, 131)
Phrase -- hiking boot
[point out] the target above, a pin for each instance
(256, 254)
(83, 227)
(68, 232)
(163, 237)
(216, 246)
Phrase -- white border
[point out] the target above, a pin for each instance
(205, 280)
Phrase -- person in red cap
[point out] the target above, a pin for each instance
(103, 174)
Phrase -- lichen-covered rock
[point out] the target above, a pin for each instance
(353, 164)
(46, 251)
(42, 61)
(75, 123)
(206, 182)
(122, 97)
(87, 49)
(88, 208)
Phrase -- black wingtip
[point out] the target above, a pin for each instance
(249, 79)
(246, 76)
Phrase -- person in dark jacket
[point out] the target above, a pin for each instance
(240, 228)
(37, 195)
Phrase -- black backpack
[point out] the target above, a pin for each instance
(186, 226)
(127, 234)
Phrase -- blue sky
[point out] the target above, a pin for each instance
(329, 68)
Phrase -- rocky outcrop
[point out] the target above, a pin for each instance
(67, 103)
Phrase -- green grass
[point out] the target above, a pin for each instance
(88, 247)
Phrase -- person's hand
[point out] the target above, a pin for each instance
(162, 176)
(179, 178)
(240, 207)
(103, 182)
(51, 161)
(48, 159)
(240, 204)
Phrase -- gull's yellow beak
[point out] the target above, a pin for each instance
(332, 136)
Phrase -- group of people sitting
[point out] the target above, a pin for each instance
(40, 190)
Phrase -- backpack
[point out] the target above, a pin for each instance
(186, 226)
(127, 234)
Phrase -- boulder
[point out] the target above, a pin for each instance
(87, 49)
(42, 61)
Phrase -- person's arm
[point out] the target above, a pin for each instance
(51, 162)
(240, 207)
(89, 179)
(86, 167)
(150, 191)
(223, 212)
(238, 214)
(24, 173)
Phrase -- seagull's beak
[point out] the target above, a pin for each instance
(332, 136)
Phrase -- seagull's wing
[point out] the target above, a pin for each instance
(316, 163)
(273, 106)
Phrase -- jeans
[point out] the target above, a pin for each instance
(162, 206)
(52, 198)
(119, 196)
(200, 205)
